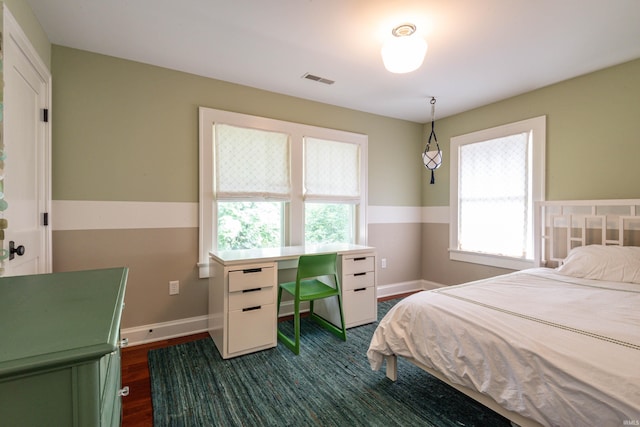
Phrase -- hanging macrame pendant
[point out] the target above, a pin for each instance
(432, 159)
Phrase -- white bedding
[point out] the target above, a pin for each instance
(557, 349)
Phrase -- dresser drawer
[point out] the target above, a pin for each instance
(359, 280)
(251, 328)
(252, 277)
(361, 264)
(251, 298)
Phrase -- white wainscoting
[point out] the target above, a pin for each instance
(408, 214)
(109, 215)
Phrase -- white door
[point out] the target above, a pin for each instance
(26, 167)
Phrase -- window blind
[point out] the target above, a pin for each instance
(331, 170)
(251, 164)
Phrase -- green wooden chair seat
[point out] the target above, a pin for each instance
(308, 287)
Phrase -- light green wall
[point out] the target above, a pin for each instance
(593, 135)
(129, 131)
(23, 14)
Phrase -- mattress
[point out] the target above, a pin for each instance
(556, 349)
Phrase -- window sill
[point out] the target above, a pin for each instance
(491, 260)
(204, 270)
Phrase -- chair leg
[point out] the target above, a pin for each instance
(339, 331)
(296, 326)
(344, 329)
(279, 299)
(292, 344)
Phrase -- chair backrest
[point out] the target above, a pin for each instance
(316, 265)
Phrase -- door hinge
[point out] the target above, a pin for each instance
(45, 115)
(45, 219)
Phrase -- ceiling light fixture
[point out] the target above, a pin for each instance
(405, 51)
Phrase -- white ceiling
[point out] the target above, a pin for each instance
(480, 51)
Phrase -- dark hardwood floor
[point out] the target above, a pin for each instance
(136, 407)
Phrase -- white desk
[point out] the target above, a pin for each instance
(243, 293)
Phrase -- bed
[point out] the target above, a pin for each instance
(558, 344)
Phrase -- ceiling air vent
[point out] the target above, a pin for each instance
(317, 79)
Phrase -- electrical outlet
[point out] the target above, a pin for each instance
(174, 287)
(383, 263)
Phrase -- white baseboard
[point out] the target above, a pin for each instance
(383, 291)
(428, 285)
(194, 325)
(286, 308)
(166, 330)
(393, 289)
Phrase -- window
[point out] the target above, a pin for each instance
(243, 225)
(496, 176)
(251, 185)
(267, 183)
(329, 223)
(331, 190)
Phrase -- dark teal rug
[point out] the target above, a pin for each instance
(329, 384)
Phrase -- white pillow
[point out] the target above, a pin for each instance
(611, 263)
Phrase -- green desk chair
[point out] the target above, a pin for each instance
(307, 287)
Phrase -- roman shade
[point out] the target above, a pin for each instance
(251, 164)
(332, 171)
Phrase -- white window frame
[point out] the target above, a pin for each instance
(294, 223)
(537, 127)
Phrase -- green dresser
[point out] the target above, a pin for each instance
(60, 349)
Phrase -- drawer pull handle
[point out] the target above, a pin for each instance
(360, 274)
(251, 290)
(257, 307)
(360, 258)
(123, 392)
(359, 289)
(252, 270)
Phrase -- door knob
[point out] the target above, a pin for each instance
(13, 250)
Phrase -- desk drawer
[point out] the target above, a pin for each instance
(252, 277)
(359, 280)
(251, 298)
(251, 328)
(358, 264)
(359, 306)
